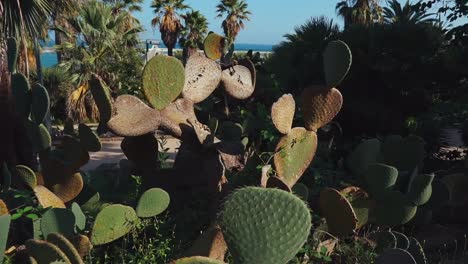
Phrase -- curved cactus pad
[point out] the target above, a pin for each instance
(337, 60)
(282, 113)
(174, 118)
(112, 223)
(69, 189)
(238, 82)
(101, 95)
(3, 208)
(394, 208)
(58, 220)
(21, 92)
(417, 251)
(88, 138)
(45, 252)
(40, 103)
(402, 240)
(5, 221)
(210, 244)
(152, 203)
(421, 189)
(251, 66)
(340, 216)
(80, 217)
(66, 247)
(47, 198)
(384, 240)
(403, 153)
(82, 245)
(163, 80)
(320, 105)
(202, 76)
(294, 153)
(26, 175)
(197, 260)
(395, 255)
(362, 156)
(380, 177)
(264, 225)
(214, 45)
(360, 202)
(132, 117)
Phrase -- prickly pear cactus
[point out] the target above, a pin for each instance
(394, 208)
(420, 190)
(101, 95)
(3, 208)
(58, 220)
(27, 176)
(4, 229)
(152, 203)
(380, 178)
(66, 247)
(402, 240)
(202, 76)
(282, 113)
(112, 223)
(88, 138)
(214, 46)
(45, 252)
(80, 217)
(197, 260)
(70, 188)
(163, 80)
(255, 227)
(238, 82)
(337, 59)
(338, 212)
(21, 92)
(395, 255)
(46, 198)
(417, 251)
(40, 103)
(82, 245)
(320, 105)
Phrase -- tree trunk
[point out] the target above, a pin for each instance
(169, 51)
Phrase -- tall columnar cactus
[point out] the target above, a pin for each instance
(255, 227)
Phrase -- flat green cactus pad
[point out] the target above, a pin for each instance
(66, 247)
(202, 76)
(214, 45)
(80, 217)
(4, 229)
(40, 103)
(102, 97)
(26, 175)
(421, 189)
(294, 153)
(58, 220)
(417, 251)
(238, 82)
(380, 178)
(45, 252)
(264, 225)
(360, 202)
(320, 105)
(403, 153)
(337, 60)
(197, 260)
(394, 208)
(163, 80)
(88, 138)
(282, 113)
(362, 156)
(395, 255)
(47, 198)
(338, 212)
(112, 223)
(132, 117)
(22, 94)
(152, 203)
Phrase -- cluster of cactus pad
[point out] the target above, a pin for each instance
(395, 247)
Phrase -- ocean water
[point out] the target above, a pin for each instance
(50, 59)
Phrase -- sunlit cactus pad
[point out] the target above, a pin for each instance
(152, 203)
(264, 225)
(113, 222)
(337, 60)
(58, 220)
(197, 260)
(47, 198)
(214, 45)
(202, 76)
(320, 105)
(282, 113)
(163, 80)
(238, 82)
(69, 189)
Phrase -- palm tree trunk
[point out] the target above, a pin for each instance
(23, 39)
(169, 51)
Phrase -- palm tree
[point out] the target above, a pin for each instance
(363, 12)
(64, 10)
(194, 32)
(168, 19)
(396, 14)
(237, 13)
(128, 5)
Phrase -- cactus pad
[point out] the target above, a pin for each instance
(163, 80)
(12, 48)
(264, 225)
(45, 252)
(275, 182)
(202, 76)
(203, 132)
(417, 251)
(3, 208)
(363, 155)
(320, 105)
(380, 177)
(394, 208)
(301, 190)
(421, 189)
(395, 255)
(152, 203)
(282, 113)
(338, 212)
(337, 60)
(66, 247)
(40, 103)
(403, 153)
(360, 202)
(112, 223)
(214, 45)
(294, 153)
(89, 140)
(197, 260)
(80, 217)
(82, 245)
(40, 137)
(251, 66)
(22, 94)
(69, 189)
(174, 118)
(132, 117)
(384, 240)
(58, 220)
(27, 176)
(47, 198)
(5, 221)
(102, 97)
(210, 244)
(402, 240)
(238, 82)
